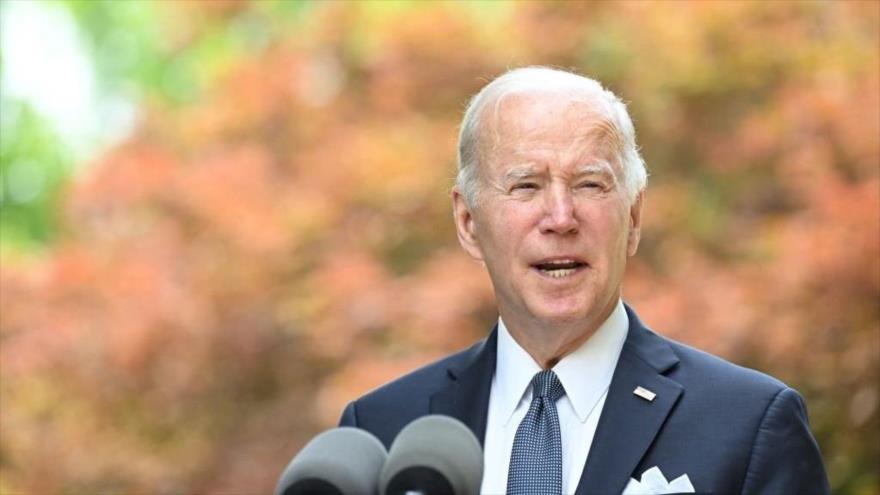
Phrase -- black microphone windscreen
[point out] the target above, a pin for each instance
(341, 461)
(434, 455)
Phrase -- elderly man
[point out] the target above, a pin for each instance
(571, 392)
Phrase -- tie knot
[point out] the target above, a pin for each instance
(547, 384)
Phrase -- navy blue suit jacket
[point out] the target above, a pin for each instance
(730, 429)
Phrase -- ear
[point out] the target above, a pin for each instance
(464, 225)
(635, 224)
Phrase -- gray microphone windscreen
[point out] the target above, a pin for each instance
(433, 455)
(341, 461)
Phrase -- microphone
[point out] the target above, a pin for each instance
(341, 461)
(433, 455)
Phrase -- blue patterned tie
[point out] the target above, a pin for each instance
(536, 460)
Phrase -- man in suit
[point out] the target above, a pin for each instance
(571, 392)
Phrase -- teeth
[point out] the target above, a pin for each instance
(559, 273)
(560, 262)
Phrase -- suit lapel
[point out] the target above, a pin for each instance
(630, 423)
(466, 397)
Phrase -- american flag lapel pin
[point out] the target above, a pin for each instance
(644, 393)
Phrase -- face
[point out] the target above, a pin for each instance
(552, 223)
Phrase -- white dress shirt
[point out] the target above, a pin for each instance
(585, 374)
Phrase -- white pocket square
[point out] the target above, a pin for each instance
(654, 483)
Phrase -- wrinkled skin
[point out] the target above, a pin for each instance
(551, 187)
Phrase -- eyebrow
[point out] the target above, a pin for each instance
(596, 167)
(521, 172)
(600, 167)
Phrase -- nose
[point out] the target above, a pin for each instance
(559, 214)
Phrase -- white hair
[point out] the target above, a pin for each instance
(547, 80)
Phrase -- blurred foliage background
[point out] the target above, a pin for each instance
(245, 223)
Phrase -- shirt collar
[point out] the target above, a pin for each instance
(585, 373)
(514, 369)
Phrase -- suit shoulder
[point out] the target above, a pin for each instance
(385, 410)
(704, 370)
(766, 435)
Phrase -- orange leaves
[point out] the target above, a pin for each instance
(128, 177)
(837, 238)
(360, 375)
(233, 192)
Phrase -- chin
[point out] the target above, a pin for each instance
(563, 314)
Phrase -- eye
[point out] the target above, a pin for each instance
(524, 186)
(591, 185)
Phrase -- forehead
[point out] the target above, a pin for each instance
(551, 124)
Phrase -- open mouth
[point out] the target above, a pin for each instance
(559, 268)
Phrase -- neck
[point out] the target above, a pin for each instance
(548, 342)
